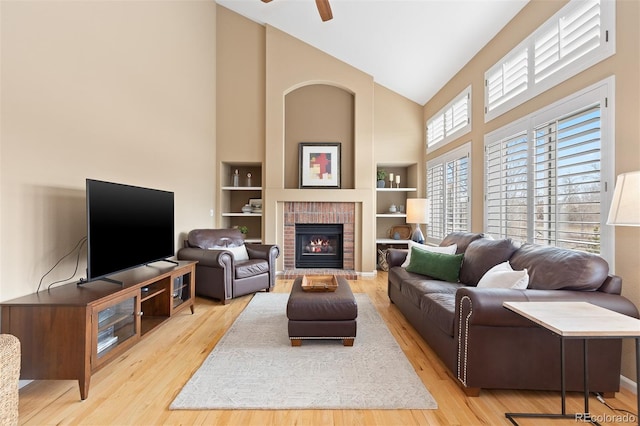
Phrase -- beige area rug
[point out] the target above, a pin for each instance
(254, 366)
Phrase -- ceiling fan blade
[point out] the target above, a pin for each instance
(324, 9)
(266, 1)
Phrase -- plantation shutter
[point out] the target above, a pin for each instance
(435, 194)
(569, 38)
(457, 116)
(567, 163)
(451, 121)
(457, 192)
(506, 187)
(435, 130)
(449, 193)
(507, 79)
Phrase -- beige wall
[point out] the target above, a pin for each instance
(240, 88)
(624, 65)
(119, 91)
(399, 135)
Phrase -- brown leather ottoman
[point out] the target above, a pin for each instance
(322, 315)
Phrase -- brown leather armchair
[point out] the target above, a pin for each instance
(224, 269)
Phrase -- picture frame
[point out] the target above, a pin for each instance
(320, 165)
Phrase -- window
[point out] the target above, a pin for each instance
(449, 193)
(580, 35)
(567, 179)
(451, 122)
(546, 176)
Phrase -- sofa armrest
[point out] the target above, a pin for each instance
(395, 257)
(613, 285)
(210, 258)
(268, 252)
(483, 306)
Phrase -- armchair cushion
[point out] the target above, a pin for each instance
(251, 267)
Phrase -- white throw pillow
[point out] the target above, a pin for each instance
(503, 276)
(433, 249)
(239, 253)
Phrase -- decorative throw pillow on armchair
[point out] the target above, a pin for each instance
(239, 253)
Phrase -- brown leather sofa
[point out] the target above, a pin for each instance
(219, 272)
(483, 344)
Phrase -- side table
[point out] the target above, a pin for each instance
(577, 320)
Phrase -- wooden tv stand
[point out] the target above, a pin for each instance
(71, 331)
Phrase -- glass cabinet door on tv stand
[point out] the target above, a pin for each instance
(115, 326)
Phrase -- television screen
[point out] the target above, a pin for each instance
(127, 226)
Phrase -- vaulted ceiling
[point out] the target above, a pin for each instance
(412, 47)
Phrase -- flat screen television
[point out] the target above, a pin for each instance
(127, 226)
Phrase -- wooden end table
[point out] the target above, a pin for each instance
(577, 320)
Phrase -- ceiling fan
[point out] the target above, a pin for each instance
(323, 8)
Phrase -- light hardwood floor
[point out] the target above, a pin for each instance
(137, 388)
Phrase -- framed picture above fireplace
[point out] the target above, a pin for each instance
(319, 164)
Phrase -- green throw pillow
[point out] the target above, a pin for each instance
(440, 266)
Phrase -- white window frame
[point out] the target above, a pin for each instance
(602, 92)
(442, 118)
(568, 68)
(442, 160)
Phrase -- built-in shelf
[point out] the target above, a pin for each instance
(233, 198)
(396, 189)
(390, 241)
(241, 188)
(385, 197)
(241, 214)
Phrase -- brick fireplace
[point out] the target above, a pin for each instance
(318, 213)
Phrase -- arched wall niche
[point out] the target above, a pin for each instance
(319, 112)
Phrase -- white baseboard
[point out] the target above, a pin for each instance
(628, 384)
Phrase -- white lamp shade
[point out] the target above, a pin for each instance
(625, 206)
(417, 210)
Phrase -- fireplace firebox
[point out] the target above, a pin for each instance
(319, 245)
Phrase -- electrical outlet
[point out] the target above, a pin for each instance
(211, 212)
